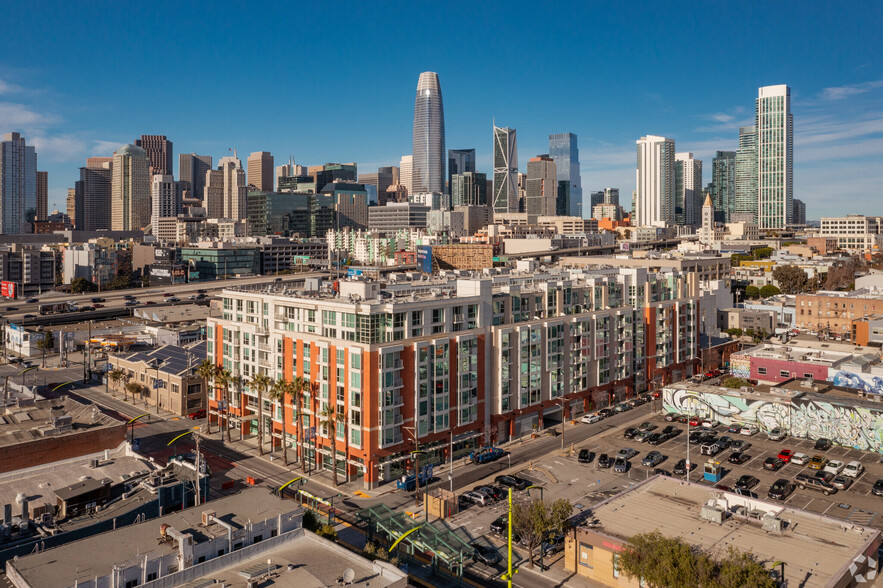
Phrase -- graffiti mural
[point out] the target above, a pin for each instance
(740, 366)
(850, 426)
(868, 384)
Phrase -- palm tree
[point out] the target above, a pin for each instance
(223, 379)
(261, 383)
(236, 382)
(297, 392)
(207, 371)
(278, 391)
(328, 420)
(314, 394)
(346, 445)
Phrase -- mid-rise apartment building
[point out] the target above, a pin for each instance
(448, 363)
(833, 313)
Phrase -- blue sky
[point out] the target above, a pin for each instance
(335, 81)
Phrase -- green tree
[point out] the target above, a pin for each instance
(121, 282)
(135, 389)
(279, 391)
(298, 385)
(769, 290)
(47, 343)
(260, 383)
(739, 569)
(534, 521)
(81, 285)
(752, 292)
(116, 375)
(734, 332)
(791, 279)
(762, 252)
(223, 379)
(734, 383)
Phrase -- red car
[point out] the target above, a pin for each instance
(196, 415)
(657, 394)
(149, 302)
(695, 422)
(785, 455)
(97, 306)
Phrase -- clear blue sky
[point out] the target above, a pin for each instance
(335, 81)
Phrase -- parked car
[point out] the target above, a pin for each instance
(621, 407)
(800, 459)
(711, 424)
(606, 412)
(826, 476)
(508, 481)
(748, 430)
(97, 299)
(835, 466)
(585, 456)
(744, 492)
(823, 444)
(781, 489)
(776, 434)
(725, 441)
(647, 426)
(682, 418)
(695, 437)
(877, 489)
(734, 428)
(656, 438)
(630, 433)
(494, 492)
(747, 482)
(680, 468)
(500, 525)
(475, 498)
(627, 453)
(805, 481)
(642, 436)
(841, 482)
(661, 472)
(196, 415)
(853, 469)
(604, 461)
(740, 445)
(695, 421)
(711, 449)
(620, 465)
(553, 545)
(773, 464)
(785, 455)
(672, 416)
(590, 418)
(738, 458)
(485, 554)
(670, 429)
(817, 462)
(652, 459)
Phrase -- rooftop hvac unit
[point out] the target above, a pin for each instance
(207, 516)
(712, 514)
(772, 524)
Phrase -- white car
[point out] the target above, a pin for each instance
(748, 430)
(835, 466)
(800, 459)
(591, 418)
(710, 424)
(853, 469)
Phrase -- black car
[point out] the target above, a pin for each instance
(606, 412)
(823, 444)
(585, 456)
(725, 441)
(30, 316)
(680, 468)
(512, 482)
(11, 309)
(661, 472)
(485, 554)
(747, 482)
(500, 525)
(708, 438)
(671, 429)
(656, 438)
(32, 301)
(773, 464)
(738, 458)
(630, 433)
(878, 488)
(604, 461)
(780, 489)
(695, 437)
(201, 291)
(97, 299)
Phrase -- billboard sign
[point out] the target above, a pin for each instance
(424, 258)
(7, 289)
(624, 245)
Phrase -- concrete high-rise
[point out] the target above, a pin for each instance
(746, 173)
(18, 184)
(130, 189)
(723, 185)
(191, 174)
(688, 189)
(72, 206)
(505, 197)
(214, 194)
(42, 195)
(92, 200)
(564, 150)
(235, 191)
(377, 184)
(159, 152)
(260, 171)
(541, 192)
(611, 196)
(406, 173)
(775, 150)
(459, 161)
(655, 196)
(428, 172)
(165, 199)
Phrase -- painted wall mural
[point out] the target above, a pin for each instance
(740, 366)
(869, 384)
(849, 426)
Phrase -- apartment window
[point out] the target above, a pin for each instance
(807, 375)
(761, 371)
(784, 373)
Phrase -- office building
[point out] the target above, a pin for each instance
(159, 152)
(260, 171)
(799, 212)
(723, 185)
(165, 199)
(505, 197)
(191, 171)
(234, 190)
(460, 161)
(395, 216)
(564, 150)
(596, 198)
(290, 169)
(611, 196)
(377, 184)
(42, 195)
(130, 189)
(608, 211)
(688, 189)
(93, 205)
(350, 203)
(541, 192)
(775, 151)
(290, 214)
(563, 199)
(428, 171)
(71, 208)
(855, 233)
(18, 184)
(31, 271)
(655, 198)
(746, 173)
(405, 173)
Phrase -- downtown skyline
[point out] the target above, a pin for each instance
(70, 113)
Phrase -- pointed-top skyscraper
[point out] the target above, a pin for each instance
(428, 171)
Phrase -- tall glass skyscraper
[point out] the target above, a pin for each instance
(505, 170)
(428, 168)
(564, 151)
(723, 185)
(460, 161)
(746, 173)
(775, 148)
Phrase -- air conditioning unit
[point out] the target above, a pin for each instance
(712, 514)
(207, 516)
(772, 524)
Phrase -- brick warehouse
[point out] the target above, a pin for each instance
(457, 360)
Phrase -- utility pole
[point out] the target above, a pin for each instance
(198, 473)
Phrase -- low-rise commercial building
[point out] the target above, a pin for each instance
(868, 330)
(855, 233)
(25, 271)
(744, 319)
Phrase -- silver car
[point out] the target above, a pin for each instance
(621, 465)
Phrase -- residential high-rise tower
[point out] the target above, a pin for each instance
(655, 197)
(159, 152)
(688, 189)
(406, 173)
(459, 161)
(775, 149)
(428, 172)
(165, 199)
(18, 184)
(92, 195)
(746, 173)
(505, 170)
(42, 195)
(723, 185)
(564, 150)
(130, 189)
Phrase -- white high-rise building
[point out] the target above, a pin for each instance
(234, 188)
(18, 184)
(505, 197)
(406, 166)
(655, 198)
(688, 189)
(130, 189)
(774, 125)
(165, 199)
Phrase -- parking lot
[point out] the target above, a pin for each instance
(585, 484)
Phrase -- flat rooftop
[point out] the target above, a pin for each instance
(813, 547)
(44, 418)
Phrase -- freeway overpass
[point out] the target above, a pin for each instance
(596, 249)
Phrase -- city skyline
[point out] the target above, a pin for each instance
(837, 108)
